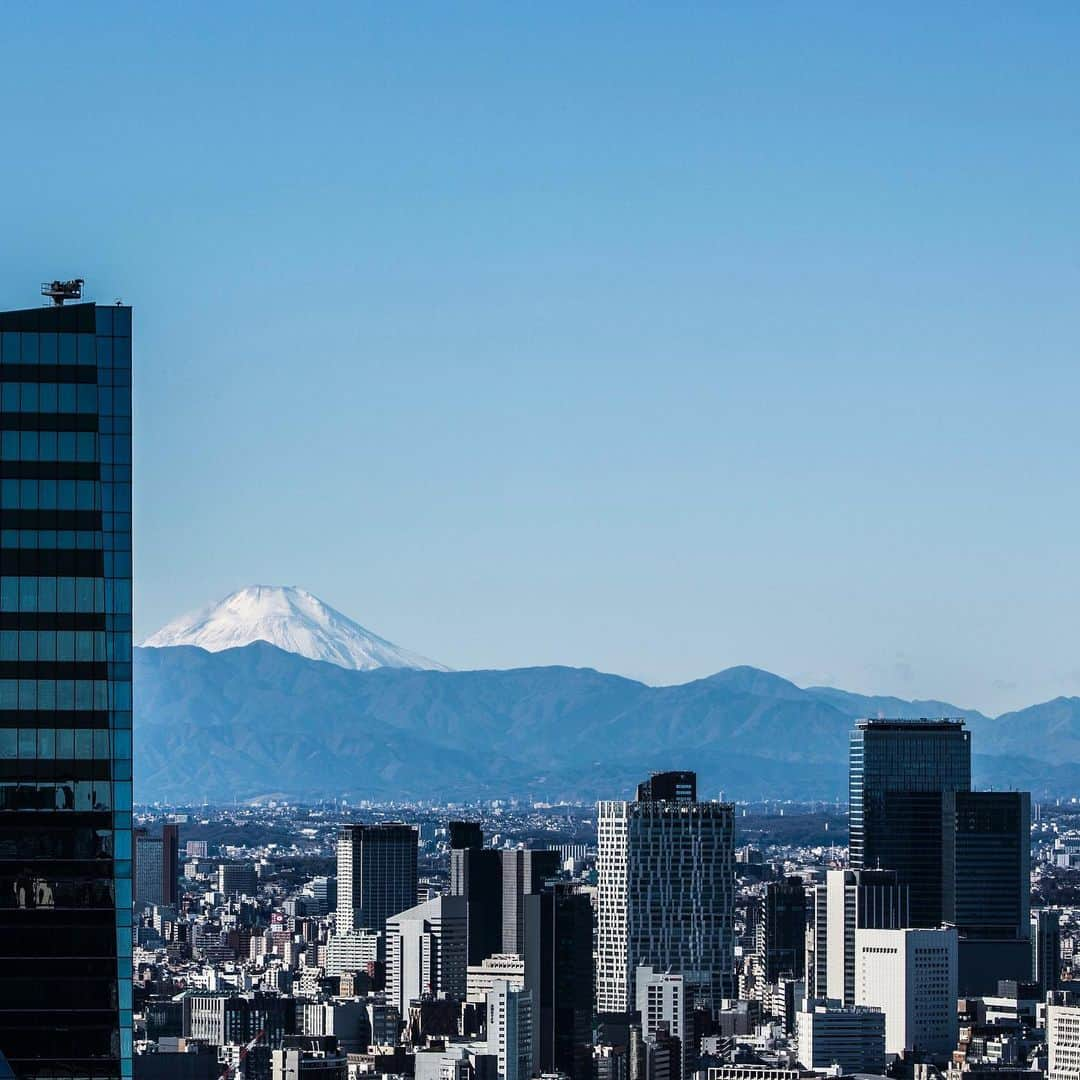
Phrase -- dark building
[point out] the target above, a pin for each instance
(1046, 950)
(170, 869)
(376, 874)
(563, 1024)
(669, 787)
(65, 689)
(781, 929)
(963, 854)
(899, 770)
(476, 874)
(991, 895)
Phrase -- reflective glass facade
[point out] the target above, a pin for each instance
(65, 691)
(899, 818)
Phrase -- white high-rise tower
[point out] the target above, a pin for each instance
(666, 892)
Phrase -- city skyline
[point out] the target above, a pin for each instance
(656, 341)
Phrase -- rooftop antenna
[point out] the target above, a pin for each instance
(59, 291)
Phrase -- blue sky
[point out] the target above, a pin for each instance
(655, 338)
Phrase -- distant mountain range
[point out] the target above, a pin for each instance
(261, 720)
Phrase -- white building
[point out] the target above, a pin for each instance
(1062, 1037)
(665, 897)
(911, 976)
(661, 1001)
(481, 977)
(354, 950)
(510, 1030)
(852, 1037)
(426, 951)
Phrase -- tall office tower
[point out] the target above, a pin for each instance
(170, 869)
(666, 898)
(781, 929)
(1046, 950)
(898, 772)
(851, 1036)
(476, 874)
(663, 1007)
(65, 688)
(376, 874)
(149, 883)
(910, 975)
(1062, 1036)
(426, 952)
(851, 900)
(524, 873)
(510, 1031)
(558, 969)
(991, 896)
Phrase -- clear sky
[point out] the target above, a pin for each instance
(653, 338)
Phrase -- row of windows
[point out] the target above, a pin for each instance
(16, 348)
(75, 795)
(64, 744)
(56, 446)
(51, 397)
(65, 495)
(53, 539)
(50, 494)
(74, 645)
(76, 694)
(79, 594)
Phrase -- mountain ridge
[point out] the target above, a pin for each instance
(243, 722)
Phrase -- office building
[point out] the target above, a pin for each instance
(899, 770)
(170, 864)
(376, 875)
(225, 1018)
(654, 1057)
(347, 1021)
(237, 879)
(65, 688)
(664, 1009)
(991, 895)
(1046, 950)
(911, 976)
(1062, 1037)
(565, 988)
(426, 952)
(781, 930)
(476, 874)
(963, 854)
(355, 951)
(510, 1032)
(148, 869)
(480, 978)
(850, 900)
(686, 926)
(680, 787)
(851, 1037)
(156, 869)
(524, 873)
(309, 1057)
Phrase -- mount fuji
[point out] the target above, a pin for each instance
(293, 620)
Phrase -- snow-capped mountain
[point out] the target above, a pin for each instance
(293, 620)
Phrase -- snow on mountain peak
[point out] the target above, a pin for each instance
(293, 620)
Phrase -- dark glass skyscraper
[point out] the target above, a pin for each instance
(899, 770)
(65, 691)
